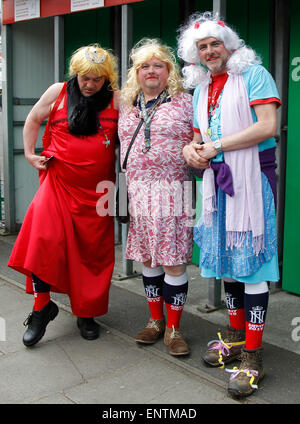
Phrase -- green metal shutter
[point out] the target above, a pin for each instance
(251, 19)
(83, 28)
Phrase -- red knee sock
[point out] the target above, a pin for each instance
(156, 306)
(234, 293)
(41, 300)
(256, 309)
(153, 290)
(175, 292)
(254, 333)
(41, 293)
(237, 318)
(174, 315)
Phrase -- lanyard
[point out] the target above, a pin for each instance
(148, 114)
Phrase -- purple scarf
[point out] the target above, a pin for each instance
(244, 209)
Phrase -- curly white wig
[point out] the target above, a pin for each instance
(208, 24)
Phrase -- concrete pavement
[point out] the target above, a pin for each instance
(65, 369)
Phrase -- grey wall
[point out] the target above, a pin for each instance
(32, 71)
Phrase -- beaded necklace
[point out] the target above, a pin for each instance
(148, 114)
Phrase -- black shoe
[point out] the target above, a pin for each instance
(37, 322)
(89, 329)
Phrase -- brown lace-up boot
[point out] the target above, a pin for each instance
(223, 351)
(175, 342)
(152, 332)
(243, 381)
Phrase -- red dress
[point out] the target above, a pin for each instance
(63, 240)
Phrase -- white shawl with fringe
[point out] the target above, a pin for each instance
(244, 210)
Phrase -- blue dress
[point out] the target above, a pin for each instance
(240, 264)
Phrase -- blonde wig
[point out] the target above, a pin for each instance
(143, 51)
(204, 25)
(95, 59)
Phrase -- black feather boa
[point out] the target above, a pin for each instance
(83, 111)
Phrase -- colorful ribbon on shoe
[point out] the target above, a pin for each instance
(224, 348)
(249, 373)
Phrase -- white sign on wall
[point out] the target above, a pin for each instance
(27, 9)
(85, 4)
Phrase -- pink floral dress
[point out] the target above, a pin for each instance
(158, 184)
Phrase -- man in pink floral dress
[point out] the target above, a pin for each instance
(160, 231)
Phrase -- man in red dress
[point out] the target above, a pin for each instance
(65, 244)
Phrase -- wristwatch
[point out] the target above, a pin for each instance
(218, 145)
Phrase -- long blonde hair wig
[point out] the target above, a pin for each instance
(143, 51)
(93, 58)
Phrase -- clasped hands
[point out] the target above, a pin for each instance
(198, 155)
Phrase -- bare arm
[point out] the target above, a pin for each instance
(191, 155)
(264, 128)
(39, 112)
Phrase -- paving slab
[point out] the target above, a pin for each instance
(32, 374)
(55, 399)
(100, 357)
(149, 381)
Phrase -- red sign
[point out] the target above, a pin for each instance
(51, 8)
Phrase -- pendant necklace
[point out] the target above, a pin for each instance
(106, 141)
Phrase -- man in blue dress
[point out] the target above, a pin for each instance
(235, 103)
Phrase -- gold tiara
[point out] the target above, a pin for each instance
(93, 56)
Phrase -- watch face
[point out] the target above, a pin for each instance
(217, 145)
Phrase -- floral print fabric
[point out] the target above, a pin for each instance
(159, 185)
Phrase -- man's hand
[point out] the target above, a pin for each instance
(208, 151)
(38, 162)
(39, 112)
(193, 156)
